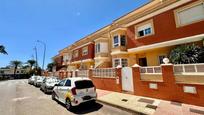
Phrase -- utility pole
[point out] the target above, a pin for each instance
(44, 44)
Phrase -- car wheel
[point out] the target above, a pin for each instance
(45, 90)
(68, 104)
(53, 95)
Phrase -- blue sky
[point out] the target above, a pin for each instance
(59, 23)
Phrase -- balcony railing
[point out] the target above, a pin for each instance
(83, 73)
(150, 70)
(104, 72)
(189, 68)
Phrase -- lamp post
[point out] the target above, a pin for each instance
(36, 57)
(44, 44)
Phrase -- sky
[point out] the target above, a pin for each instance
(58, 23)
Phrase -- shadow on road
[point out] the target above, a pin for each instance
(85, 108)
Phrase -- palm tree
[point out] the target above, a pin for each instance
(31, 63)
(50, 66)
(2, 50)
(15, 64)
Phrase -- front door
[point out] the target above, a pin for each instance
(127, 79)
(143, 61)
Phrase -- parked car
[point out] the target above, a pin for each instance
(74, 91)
(31, 79)
(37, 80)
(48, 84)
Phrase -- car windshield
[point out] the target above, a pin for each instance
(83, 84)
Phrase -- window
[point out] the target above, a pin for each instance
(66, 57)
(161, 59)
(115, 41)
(122, 40)
(68, 83)
(76, 53)
(144, 30)
(116, 62)
(97, 48)
(190, 14)
(2, 72)
(122, 62)
(61, 83)
(84, 84)
(85, 51)
(119, 40)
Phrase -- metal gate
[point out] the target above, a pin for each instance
(127, 79)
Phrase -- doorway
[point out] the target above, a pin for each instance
(143, 61)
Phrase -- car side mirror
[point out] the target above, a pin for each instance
(56, 85)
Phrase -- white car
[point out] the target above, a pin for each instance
(74, 91)
(38, 80)
(31, 79)
(48, 84)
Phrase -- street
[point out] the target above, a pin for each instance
(20, 98)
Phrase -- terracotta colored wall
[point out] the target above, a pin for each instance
(107, 83)
(90, 54)
(165, 29)
(168, 89)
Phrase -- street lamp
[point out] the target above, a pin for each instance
(36, 57)
(43, 53)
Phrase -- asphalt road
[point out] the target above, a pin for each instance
(19, 98)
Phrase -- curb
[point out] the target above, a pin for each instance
(122, 108)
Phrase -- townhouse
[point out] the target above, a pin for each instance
(144, 36)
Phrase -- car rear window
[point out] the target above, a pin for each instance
(83, 84)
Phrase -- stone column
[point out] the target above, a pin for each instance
(119, 77)
(136, 78)
(170, 82)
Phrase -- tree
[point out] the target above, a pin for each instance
(15, 64)
(31, 63)
(50, 66)
(2, 50)
(186, 54)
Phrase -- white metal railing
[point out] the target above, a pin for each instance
(150, 69)
(104, 72)
(189, 68)
(83, 73)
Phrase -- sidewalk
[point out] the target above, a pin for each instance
(145, 105)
